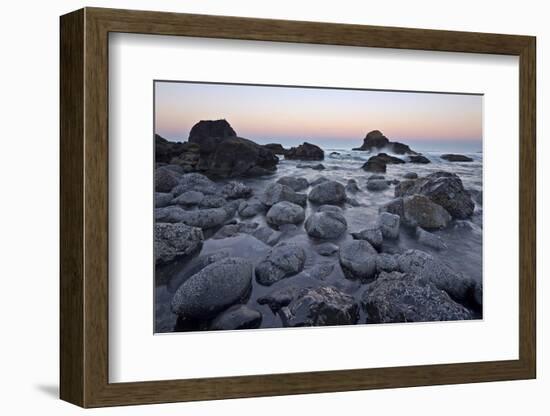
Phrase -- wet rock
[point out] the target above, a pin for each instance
(402, 187)
(234, 190)
(213, 289)
(395, 206)
(445, 189)
(330, 208)
(410, 175)
(282, 261)
(372, 235)
(212, 201)
(277, 192)
(326, 225)
(251, 208)
(276, 148)
(334, 154)
(305, 151)
(329, 192)
(318, 166)
(377, 185)
(375, 140)
(318, 180)
(386, 263)
(208, 133)
(352, 186)
(203, 218)
(175, 240)
(374, 164)
(267, 235)
(237, 317)
(358, 259)
(231, 207)
(353, 202)
(233, 229)
(320, 271)
(279, 298)
(163, 199)
(189, 198)
(419, 159)
(372, 177)
(456, 158)
(420, 211)
(320, 306)
(389, 160)
(166, 150)
(430, 240)
(389, 225)
(165, 179)
(294, 183)
(398, 297)
(326, 249)
(285, 213)
(195, 182)
(442, 276)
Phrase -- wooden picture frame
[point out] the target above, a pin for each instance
(84, 207)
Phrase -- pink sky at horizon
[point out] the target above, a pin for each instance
(289, 115)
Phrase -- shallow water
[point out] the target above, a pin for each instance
(463, 238)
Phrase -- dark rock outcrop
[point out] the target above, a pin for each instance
(358, 259)
(326, 225)
(296, 183)
(375, 141)
(175, 240)
(284, 212)
(328, 192)
(419, 159)
(277, 192)
(456, 158)
(276, 148)
(305, 151)
(284, 260)
(420, 211)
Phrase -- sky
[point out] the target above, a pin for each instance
(330, 118)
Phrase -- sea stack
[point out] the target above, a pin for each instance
(376, 141)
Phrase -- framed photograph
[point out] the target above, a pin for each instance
(256, 207)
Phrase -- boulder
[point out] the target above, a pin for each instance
(411, 175)
(276, 148)
(208, 133)
(397, 297)
(212, 201)
(334, 154)
(419, 159)
(165, 179)
(329, 192)
(374, 164)
(430, 240)
(372, 235)
(386, 263)
(377, 185)
(375, 176)
(424, 265)
(176, 240)
(237, 317)
(165, 150)
(267, 235)
(234, 190)
(189, 198)
(395, 206)
(232, 230)
(321, 306)
(213, 289)
(293, 182)
(202, 218)
(163, 199)
(318, 166)
(326, 225)
(284, 260)
(195, 182)
(251, 208)
(285, 212)
(279, 298)
(402, 187)
(318, 180)
(326, 249)
(305, 151)
(389, 160)
(389, 225)
(456, 158)
(320, 271)
(352, 186)
(277, 192)
(420, 211)
(445, 189)
(358, 259)
(187, 159)
(375, 140)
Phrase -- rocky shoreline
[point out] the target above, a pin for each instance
(287, 253)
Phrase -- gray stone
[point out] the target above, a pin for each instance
(402, 187)
(373, 177)
(419, 159)
(267, 235)
(372, 235)
(430, 240)
(352, 186)
(293, 182)
(318, 180)
(377, 185)
(389, 225)
(212, 201)
(163, 199)
(329, 192)
(358, 259)
(203, 218)
(326, 249)
(251, 208)
(165, 179)
(237, 317)
(320, 271)
(282, 261)
(419, 210)
(213, 289)
(398, 297)
(326, 225)
(279, 298)
(456, 158)
(386, 263)
(395, 206)
(317, 166)
(410, 175)
(276, 192)
(175, 240)
(233, 229)
(234, 190)
(285, 213)
(195, 182)
(189, 198)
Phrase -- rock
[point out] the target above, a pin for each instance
(402, 187)
(234, 190)
(395, 206)
(305, 151)
(318, 180)
(251, 208)
(209, 133)
(326, 249)
(202, 218)
(212, 201)
(322, 306)
(282, 261)
(320, 271)
(353, 202)
(213, 289)
(165, 150)
(326, 225)
(445, 189)
(231, 207)
(233, 229)
(375, 140)
(329, 192)
(187, 159)
(288, 228)
(285, 212)
(294, 183)
(398, 297)
(375, 164)
(389, 160)
(276, 148)
(195, 182)
(334, 154)
(410, 175)
(163, 199)
(430, 240)
(389, 225)
(372, 235)
(386, 263)
(276, 192)
(318, 166)
(377, 185)
(330, 208)
(279, 298)
(373, 177)
(442, 276)
(456, 158)
(358, 259)
(419, 159)
(237, 317)
(175, 240)
(420, 211)
(189, 198)
(165, 179)
(352, 186)
(267, 235)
